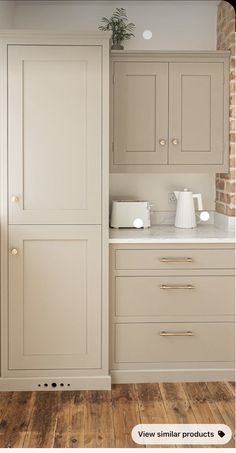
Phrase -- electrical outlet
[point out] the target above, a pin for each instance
(171, 198)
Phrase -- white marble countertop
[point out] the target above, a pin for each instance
(170, 234)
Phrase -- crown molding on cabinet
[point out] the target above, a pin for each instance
(9, 33)
(42, 37)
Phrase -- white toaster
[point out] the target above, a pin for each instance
(130, 214)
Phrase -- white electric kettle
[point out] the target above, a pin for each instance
(185, 212)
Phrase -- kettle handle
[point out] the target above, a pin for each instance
(198, 196)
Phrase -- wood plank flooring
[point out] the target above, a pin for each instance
(103, 419)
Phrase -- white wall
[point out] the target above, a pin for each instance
(185, 25)
(175, 24)
(155, 188)
(7, 13)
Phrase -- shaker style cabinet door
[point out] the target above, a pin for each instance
(54, 297)
(54, 134)
(140, 109)
(196, 113)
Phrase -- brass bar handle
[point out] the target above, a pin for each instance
(177, 287)
(176, 260)
(176, 334)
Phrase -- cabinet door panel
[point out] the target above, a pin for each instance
(140, 113)
(55, 134)
(54, 314)
(196, 113)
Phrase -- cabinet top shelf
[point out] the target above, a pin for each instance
(169, 54)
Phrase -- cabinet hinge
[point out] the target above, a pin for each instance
(113, 78)
(113, 147)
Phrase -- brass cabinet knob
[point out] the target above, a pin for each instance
(175, 141)
(14, 199)
(14, 252)
(162, 142)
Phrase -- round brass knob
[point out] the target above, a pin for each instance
(162, 142)
(175, 141)
(14, 252)
(14, 199)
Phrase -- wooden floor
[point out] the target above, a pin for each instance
(105, 419)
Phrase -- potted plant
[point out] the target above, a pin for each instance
(118, 24)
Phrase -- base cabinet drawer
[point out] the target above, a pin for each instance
(174, 259)
(174, 342)
(174, 296)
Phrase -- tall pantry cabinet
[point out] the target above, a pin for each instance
(54, 211)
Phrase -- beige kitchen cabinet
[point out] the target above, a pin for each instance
(140, 113)
(172, 258)
(54, 314)
(170, 296)
(196, 107)
(54, 210)
(55, 137)
(171, 312)
(170, 112)
(182, 342)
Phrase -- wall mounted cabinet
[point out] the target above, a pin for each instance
(169, 112)
(140, 113)
(54, 209)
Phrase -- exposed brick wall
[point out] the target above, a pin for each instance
(226, 182)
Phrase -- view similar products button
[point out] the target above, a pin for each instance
(181, 434)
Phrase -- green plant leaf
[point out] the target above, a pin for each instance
(117, 23)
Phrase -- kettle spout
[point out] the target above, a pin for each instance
(176, 192)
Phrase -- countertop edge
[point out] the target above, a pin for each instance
(173, 241)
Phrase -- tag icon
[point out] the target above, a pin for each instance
(221, 433)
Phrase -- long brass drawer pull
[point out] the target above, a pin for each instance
(176, 260)
(177, 334)
(176, 287)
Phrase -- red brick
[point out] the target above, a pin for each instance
(230, 187)
(225, 176)
(232, 200)
(225, 198)
(220, 184)
(230, 211)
